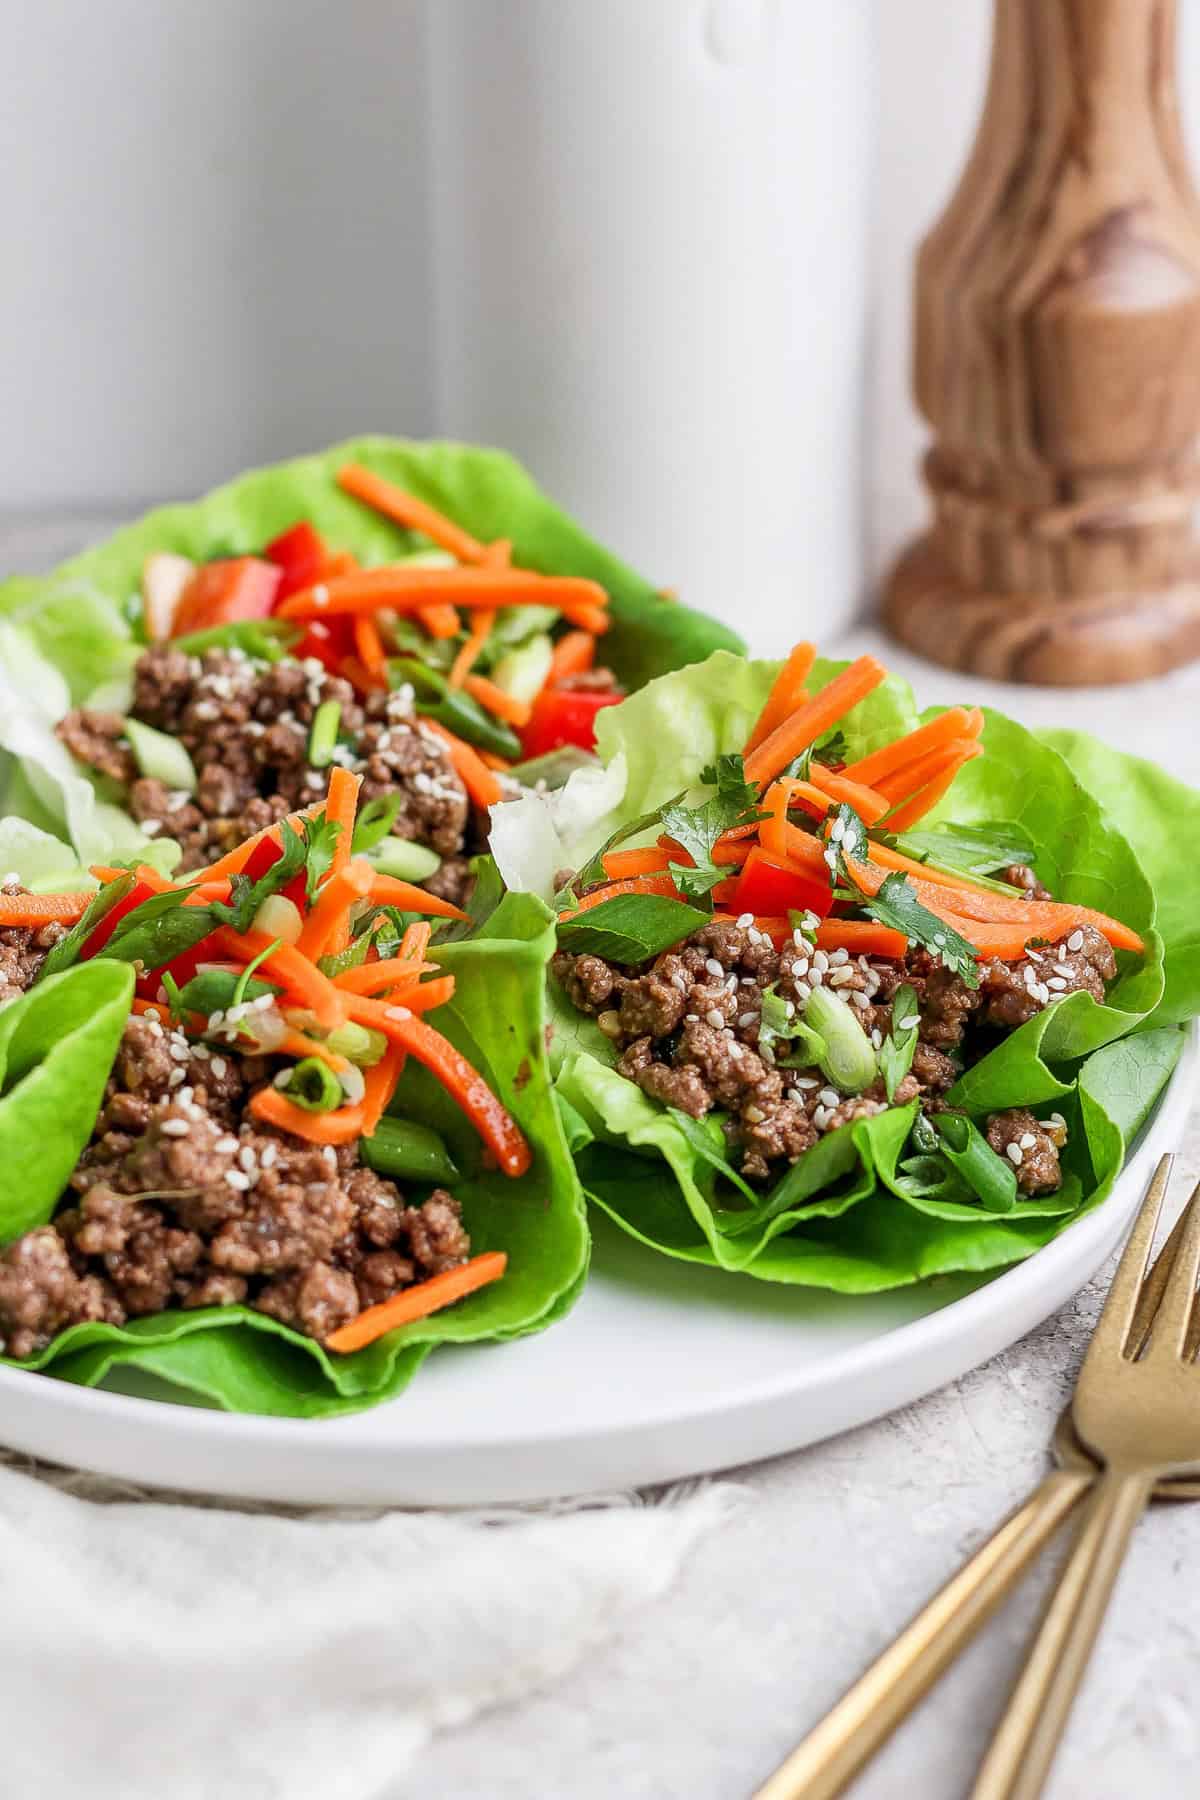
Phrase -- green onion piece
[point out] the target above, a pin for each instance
(988, 1175)
(895, 1058)
(846, 1055)
(323, 733)
(243, 980)
(314, 1086)
(374, 821)
(406, 861)
(359, 1044)
(408, 1152)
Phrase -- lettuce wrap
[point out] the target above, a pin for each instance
(72, 636)
(56, 1047)
(854, 1213)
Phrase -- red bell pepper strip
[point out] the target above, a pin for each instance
(771, 887)
(220, 593)
(560, 718)
(302, 554)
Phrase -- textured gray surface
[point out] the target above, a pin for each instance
(837, 1546)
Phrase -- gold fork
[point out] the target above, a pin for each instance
(869, 1712)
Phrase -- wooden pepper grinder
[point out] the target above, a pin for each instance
(1057, 359)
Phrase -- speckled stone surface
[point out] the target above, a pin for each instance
(835, 1547)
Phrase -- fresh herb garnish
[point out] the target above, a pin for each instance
(697, 828)
(66, 952)
(829, 750)
(846, 836)
(629, 928)
(896, 1053)
(320, 842)
(159, 930)
(243, 980)
(896, 905)
(568, 897)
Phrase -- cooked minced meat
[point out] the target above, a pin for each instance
(1030, 1146)
(22, 951)
(687, 1027)
(246, 726)
(182, 1199)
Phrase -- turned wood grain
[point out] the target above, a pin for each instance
(1057, 360)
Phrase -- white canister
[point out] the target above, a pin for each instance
(650, 221)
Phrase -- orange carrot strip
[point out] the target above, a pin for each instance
(651, 859)
(572, 655)
(341, 1126)
(465, 1085)
(301, 979)
(814, 718)
(869, 805)
(927, 797)
(389, 890)
(772, 829)
(415, 941)
(587, 617)
(336, 895)
(354, 670)
(415, 515)
(479, 781)
(379, 1084)
(418, 1302)
(494, 700)
(375, 977)
(371, 652)
(726, 853)
(498, 554)
(481, 631)
(907, 865)
(490, 760)
(439, 620)
(912, 776)
(341, 809)
(1037, 918)
(43, 909)
(861, 937)
(235, 860)
(787, 693)
(635, 884)
(954, 723)
(406, 588)
(299, 1045)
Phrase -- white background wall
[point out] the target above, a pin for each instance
(214, 233)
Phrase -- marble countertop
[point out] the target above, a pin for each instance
(838, 1545)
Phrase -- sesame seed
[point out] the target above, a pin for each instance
(1058, 983)
(264, 1003)
(829, 1096)
(691, 1018)
(790, 1008)
(176, 1051)
(907, 1024)
(714, 1018)
(1056, 1118)
(226, 1145)
(820, 961)
(800, 967)
(798, 939)
(839, 977)
(815, 978)
(175, 1128)
(839, 957)
(877, 1038)
(1062, 968)
(837, 831)
(150, 1014)
(821, 1117)
(236, 1180)
(857, 998)
(397, 1012)
(806, 1083)
(1075, 941)
(745, 919)
(269, 1155)
(1027, 1140)
(156, 1029)
(176, 1078)
(714, 967)
(1015, 1154)
(215, 1018)
(329, 1153)
(283, 1079)
(804, 989)
(219, 1066)
(201, 1052)
(756, 936)
(746, 1021)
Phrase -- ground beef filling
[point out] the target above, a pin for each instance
(23, 951)
(245, 726)
(687, 1030)
(181, 1199)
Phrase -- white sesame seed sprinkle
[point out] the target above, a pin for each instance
(839, 977)
(1058, 983)
(714, 967)
(247, 1158)
(829, 1097)
(877, 1038)
(226, 1145)
(907, 1024)
(235, 1179)
(714, 1018)
(806, 1083)
(1075, 941)
(219, 1066)
(175, 1128)
(1027, 1140)
(691, 1018)
(283, 1079)
(398, 1013)
(1015, 1154)
(176, 1078)
(269, 1155)
(745, 919)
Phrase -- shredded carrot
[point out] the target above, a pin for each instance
(371, 652)
(861, 937)
(729, 855)
(927, 797)
(43, 909)
(479, 781)
(635, 884)
(651, 859)
(494, 700)
(572, 655)
(379, 1084)
(341, 809)
(954, 723)
(869, 805)
(912, 776)
(301, 979)
(235, 860)
(389, 890)
(354, 670)
(787, 693)
(907, 865)
(811, 720)
(406, 588)
(439, 620)
(342, 1126)
(417, 997)
(468, 656)
(299, 1045)
(155, 1009)
(418, 1302)
(1050, 919)
(415, 941)
(490, 760)
(374, 977)
(415, 515)
(336, 895)
(787, 792)
(498, 554)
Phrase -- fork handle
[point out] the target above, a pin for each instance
(1021, 1752)
(865, 1717)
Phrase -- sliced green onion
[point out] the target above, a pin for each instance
(323, 733)
(243, 980)
(895, 1058)
(375, 821)
(280, 918)
(314, 1086)
(845, 1053)
(408, 1151)
(405, 860)
(988, 1175)
(359, 1044)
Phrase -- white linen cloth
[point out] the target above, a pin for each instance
(152, 1648)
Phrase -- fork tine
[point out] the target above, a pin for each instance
(1191, 1348)
(1153, 1289)
(1116, 1320)
(1175, 1313)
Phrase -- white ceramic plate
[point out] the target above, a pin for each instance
(663, 1370)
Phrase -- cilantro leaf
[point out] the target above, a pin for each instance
(847, 836)
(630, 927)
(568, 897)
(320, 842)
(896, 1054)
(896, 905)
(828, 750)
(160, 929)
(697, 828)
